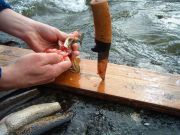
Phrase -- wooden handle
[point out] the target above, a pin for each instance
(102, 20)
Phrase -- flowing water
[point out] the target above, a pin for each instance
(146, 34)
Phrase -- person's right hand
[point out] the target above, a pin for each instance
(33, 69)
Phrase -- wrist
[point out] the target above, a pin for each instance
(28, 31)
(30, 34)
(6, 80)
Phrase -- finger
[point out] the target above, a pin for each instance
(50, 58)
(75, 53)
(61, 67)
(74, 34)
(54, 50)
(75, 47)
(67, 59)
(60, 43)
(62, 35)
(59, 52)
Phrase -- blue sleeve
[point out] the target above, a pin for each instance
(3, 5)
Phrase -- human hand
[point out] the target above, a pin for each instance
(43, 36)
(37, 35)
(33, 69)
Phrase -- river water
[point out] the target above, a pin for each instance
(146, 34)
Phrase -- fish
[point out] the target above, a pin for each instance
(45, 124)
(19, 119)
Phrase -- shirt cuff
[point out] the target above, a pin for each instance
(4, 5)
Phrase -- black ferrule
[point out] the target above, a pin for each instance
(101, 46)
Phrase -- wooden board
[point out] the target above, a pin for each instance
(127, 85)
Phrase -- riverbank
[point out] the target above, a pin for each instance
(145, 34)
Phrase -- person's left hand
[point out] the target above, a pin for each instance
(44, 36)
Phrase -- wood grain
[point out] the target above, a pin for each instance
(102, 20)
(126, 85)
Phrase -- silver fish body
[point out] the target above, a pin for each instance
(45, 124)
(19, 119)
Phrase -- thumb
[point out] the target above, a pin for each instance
(62, 35)
(62, 67)
(50, 58)
(74, 34)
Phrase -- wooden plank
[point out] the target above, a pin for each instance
(127, 85)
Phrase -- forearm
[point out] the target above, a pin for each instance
(15, 24)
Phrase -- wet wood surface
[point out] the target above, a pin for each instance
(126, 85)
